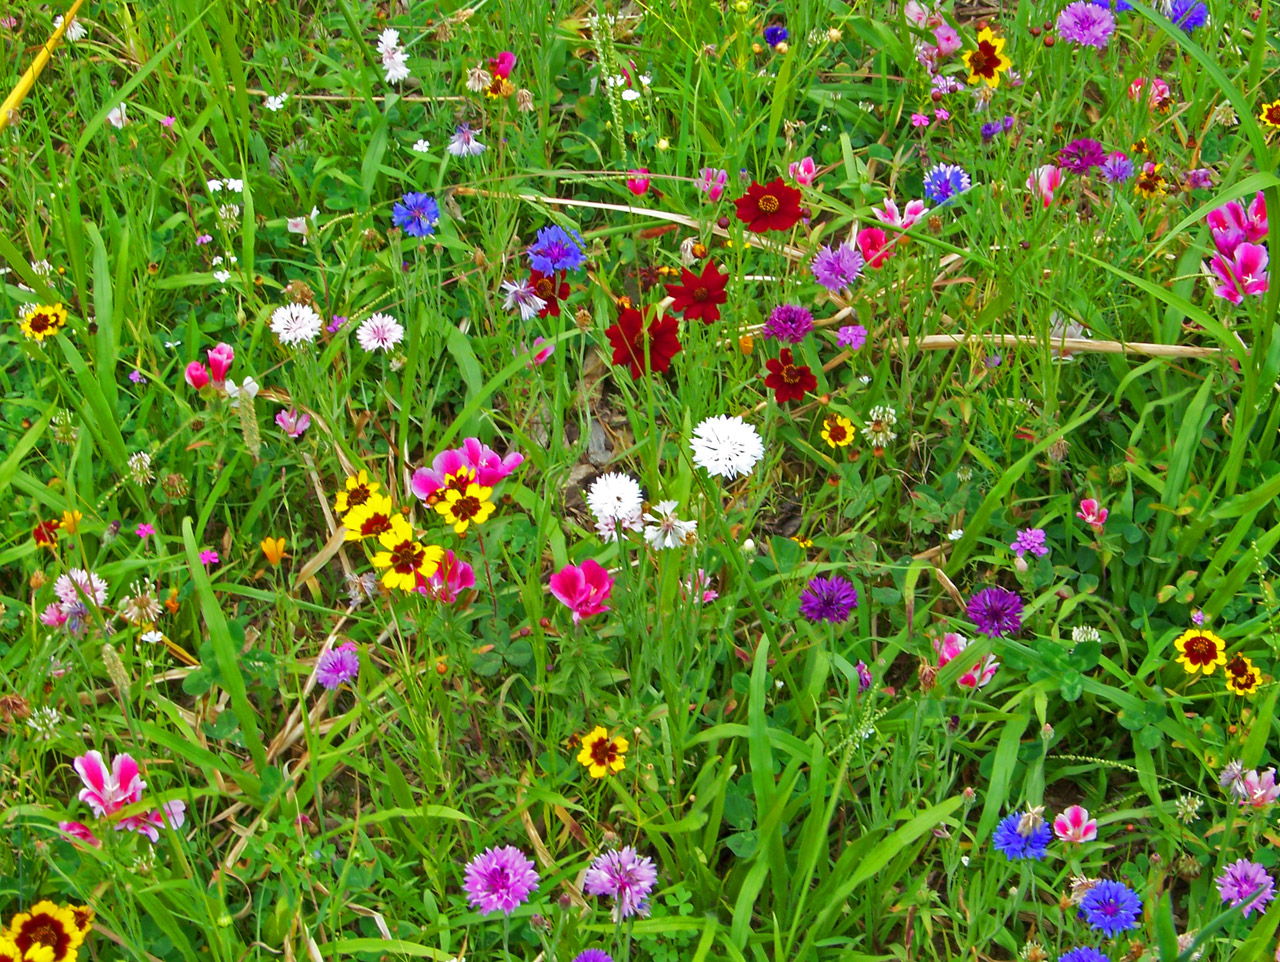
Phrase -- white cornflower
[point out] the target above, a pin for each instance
(44, 722)
(77, 582)
(665, 530)
(422, 146)
(955, 534)
(396, 65)
(117, 117)
(880, 426)
(139, 465)
(615, 495)
(379, 332)
(520, 294)
(275, 102)
(1084, 633)
(152, 637)
(296, 324)
(249, 388)
(478, 79)
(726, 446)
(463, 143)
(75, 29)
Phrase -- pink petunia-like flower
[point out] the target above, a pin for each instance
(888, 213)
(638, 181)
(449, 580)
(1091, 514)
(149, 823)
(1044, 181)
(502, 64)
(952, 645)
(220, 359)
(947, 39)
(1258, 791)
(1232, 225)
(583, 588)
(711, 181)
(803, 171)
(196, 376)
(1075, 825)
(107, 790)
(1245, 273)
(292, 423)
(488, 466)
(79, 832)
(874, 246)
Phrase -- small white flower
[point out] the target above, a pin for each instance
(296, 324)
(388, 41)
(380, 332)
(43, 268)
(297, 225)
(117, 116)
(44, 722)
(463, 143)
(396, 65)
(520, 294)
(151, 637)
(170, 345)
(1084, 633)
(726, 446)
(235, 184)
(422, 146)
(249, 388)
(222, 276)
(665, 530)
(955, 534)
(75, 29)
(276, 102)
(615, 495)
(229, 212)
(213, 186)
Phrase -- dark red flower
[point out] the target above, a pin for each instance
(771, 206)
(790, 381)
(699, 296)
(46, 533)
(545, 286)
(633, 333)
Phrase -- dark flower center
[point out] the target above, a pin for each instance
(41, 322)
(768, 203)
(375, 524)
(544, 288)
(603, 752)
(44, 930)
(791, 374)
(700, 294)
(466, 508)
(837, 432)
(1201, 650)
(358, 495)
(406, 557)
(985, 60)
(1272, 115)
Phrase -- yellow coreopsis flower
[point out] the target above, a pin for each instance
(602, 754)
(461, 508)
(47, 932)
(1150, 182)
(370, 519)
(1200, 650)
(273, 548)
(987, 61)
(359, 489)
(404, 558)
(837, 430)
(43, 320)
(71, 521)
(1242, 677)
(1270, 115)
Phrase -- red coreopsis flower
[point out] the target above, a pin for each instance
(46, 533)
(790, 381)
(634, 333)
(699, 296)
(771, 206)
(545, 286)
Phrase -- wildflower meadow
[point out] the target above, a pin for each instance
(639, 481)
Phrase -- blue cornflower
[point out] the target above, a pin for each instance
(1014, 845)
(990, 130)
(1116, 168)
(1083, 954)
(555, 250)
(1111, 908)
(945, 181)
(1119, 6)
(1189, 14)
(416, 214)
(775, 35)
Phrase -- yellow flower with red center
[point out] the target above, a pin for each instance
(370, 519)
(602, 754)
(837, 430)
(405, 559)
(46, 933)
(8, 951)
(987, 61)
(1200, 650)
(359, 489)
(43, 321)
(466, 503)
(1270, 115)
(1242, 677)
(1150, 182)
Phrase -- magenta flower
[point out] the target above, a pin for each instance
(149, 823)
(499, 880)
(292, 423)
(638, 181)
(711, 181)
(852, 336)
(907, 219)
(1246, 884)
(1030, 540)
(208, 557)
(1245, 273)
(625, 876)
(803, 171)
(1075, 825)
(1044, 181)
(449, 580)
(1232, 225)
(196, 376)
(338, 665)
(220, 359)
(951, 646)
(920, 120)
(107, 790)
(144, 531)
(79, 832)
(584, 588)
(1091, 514)
(488, 467)
(996, 611)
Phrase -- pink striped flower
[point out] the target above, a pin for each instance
(1245, 272)
(1044, 181)
(107, 790)
(1075, 825)
(583, 588)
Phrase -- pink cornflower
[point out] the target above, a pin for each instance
(499, 880)
(208, 557)
(1091, 514)
(144, 531)
(338, 665)
(53, 616)
(583, 588)
(1075, 825)
(627, 877)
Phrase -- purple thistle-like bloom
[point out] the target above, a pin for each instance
(338, 665)
(1083, 954)
(1081, 156)
(1111, 908)
(1247, 885)
(1013, 845)
(789, 322)
(1030, 539)
(555, 250)
(837, 267)
(499, 880)
(593, 955)
(1085, 24)
(989, 130)
(625, 876)
(416, 214)
(1189, 14)
(1116, 168)
(996, 611)
(829, 599)
(852, 336)
(945, 181)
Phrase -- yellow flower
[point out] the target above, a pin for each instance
(404, 558)
(460, 508)
(1270, 115)
(9, 952)
(359, 490)
(1242, 677)
(802, 542)
(837, 430)
(602, 754)
(273, 548)
(47, 933)
(43, 320)
(1150, 182)
(1200, 651)
(71, 521)
(370, 519)
(83, 916)
(987, 61)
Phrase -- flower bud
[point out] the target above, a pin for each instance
(220, 359)
(197, 376)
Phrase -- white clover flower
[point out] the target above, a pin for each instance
(1084, 633)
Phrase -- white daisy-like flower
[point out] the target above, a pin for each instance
(275, 102)
(396, 65)
(75, 29)
(955, 534)
(422, 146)
(615, 495)
(221, 276)
(665, 530)
(249, 388)
(296, 324)
(463, 143)
(117, 116)
(380, 332)
(152, 637)
(521, 294)
(388, 41)
(726, 446)
(77, 582)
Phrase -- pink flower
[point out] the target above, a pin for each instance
(167, 122)
(453, 577)
(947, 38)
(108, 791)
(1231, 224)
(917, 13)
(638, 182)
(220, 359)
(942, 115)
(584, 588)
(952, 645)
(803, 171)
(150, 823)
(906, 220)
(489, 468)
(53, 616)
(1258, 791)
(700, 585)
(1158, 92)
(144, 531)
(874, 246)
(539, 355)
(202, 239)
(920, 120)
(196, 375)
(1045, 180)
(711, 181)
(1075, 825)
(1246, 273)
(292, 423)
(502, 64)
(208, 557)
(1092, 515)
(79, 832)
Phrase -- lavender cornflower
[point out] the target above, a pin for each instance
(838, 267)
(829, 599)
(989, 130)
(1189, 14)
(1081, 156)
(1111, 908)
(1246, 884)
(1200, 179)
(555, 250)
(789, 322)
(852, 336)
(625, 876)
(1013, 844)
(416, 214)
(1120, 6)
(1085, 24)
(945, 181)
(593, 955)
(1232, 777)
(463, 143)
(338, 665)
(1083, 954)
(1117, 168)
(996, 611)
(1030, 539)
(499, 880)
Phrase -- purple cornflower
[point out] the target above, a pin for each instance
(1085, 24)
(775, 35)
(1083, 954)
(945, 181)
(829, 599)
(555, 250)
(593, 955)
(1030, 539)
(625, 876)
(1189, 14)
(1247, 885)
(77, 614)
(1116, 168)
(789, 322)
(144, 531)
(336, 323)
(1081, 156)
(1120, 6)
(1200, 179)
(338, 665)
(416, 214)
(1013, 845)
(838, 267)
(996, 611)
(852, 336)
(499, 879)
(1111, 908)
(864, 676)
(989, 130)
